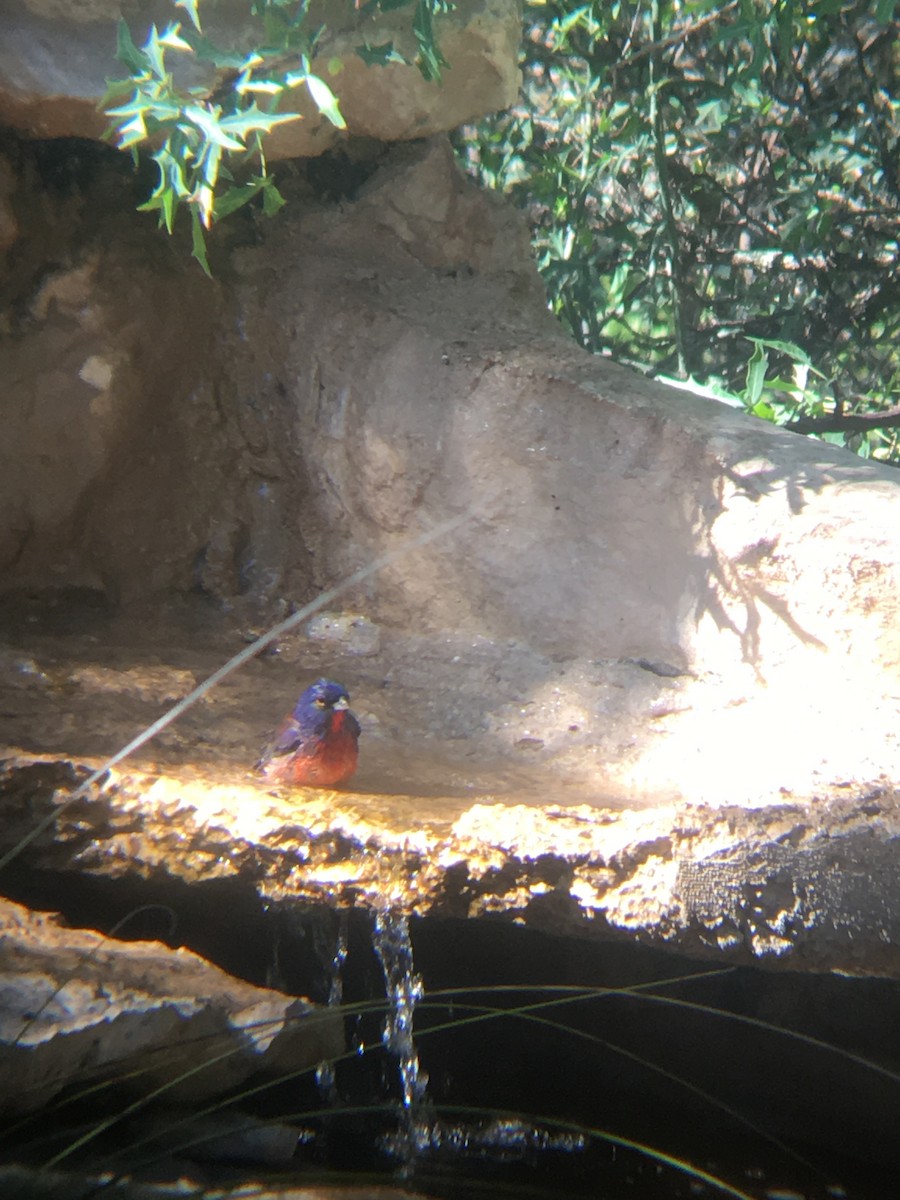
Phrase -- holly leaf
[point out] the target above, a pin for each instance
(236, 197)
(172, 39)
(254, 120)
(325, 100)
(430, 58)
(190, 7)
(380, 56)
(131, 132)
(154, 53)
(272, 199)
(198, 243)
(230, 60)
(214, 130)
(127, 52)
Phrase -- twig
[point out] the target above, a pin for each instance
(888, 418)
(676, 275)
(673, 39)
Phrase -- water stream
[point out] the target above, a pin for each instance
(404, 990)
(325, 1075)
(86, 695)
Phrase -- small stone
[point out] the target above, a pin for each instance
(530, 743)
(354, 633)
(97, 372)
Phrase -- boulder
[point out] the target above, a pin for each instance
(652, 598)
(81, 1009)
(55, 59)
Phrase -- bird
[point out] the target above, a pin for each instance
(317, 743)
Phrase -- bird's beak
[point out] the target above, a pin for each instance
(341, 703)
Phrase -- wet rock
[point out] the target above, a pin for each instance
(221, 1138)
(804, 887)
(40, 1184)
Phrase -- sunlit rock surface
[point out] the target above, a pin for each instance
(654, 607)
(643, 699)
(801, 886)
(651, 597)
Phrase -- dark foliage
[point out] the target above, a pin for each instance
(715, 190)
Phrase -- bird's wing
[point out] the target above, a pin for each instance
(351, 723)
(288, 738)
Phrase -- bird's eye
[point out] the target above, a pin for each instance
(320, 703)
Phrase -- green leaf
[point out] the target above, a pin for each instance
(171, 175)
(259, 87)
(127, 52)
(137, 104)
(790, 348)
(203, 197)
(190, 7)
(160, 113)
(236, 197)
(229, 60)
(115, 90)
(131, 132)
(164, 202)
(379, 56)
(756, 375)
(272, 199)
(765, 411)
(325, 100)
(254, 120)
(164, 199)
(778, 384)
(430, 58)
(198, 243)
(208, 165)
(568, 23)
(712, 115)
(153, 49)
(172, 40)
(206, 119)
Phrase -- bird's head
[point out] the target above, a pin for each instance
(324, 694)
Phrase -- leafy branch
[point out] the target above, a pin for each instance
(701, 173)
(192, 133)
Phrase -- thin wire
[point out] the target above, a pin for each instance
(232, 665)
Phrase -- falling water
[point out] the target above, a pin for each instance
(391, 942)
(325, 1070)
(500, 1138)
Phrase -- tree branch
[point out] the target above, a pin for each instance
(888, 418)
